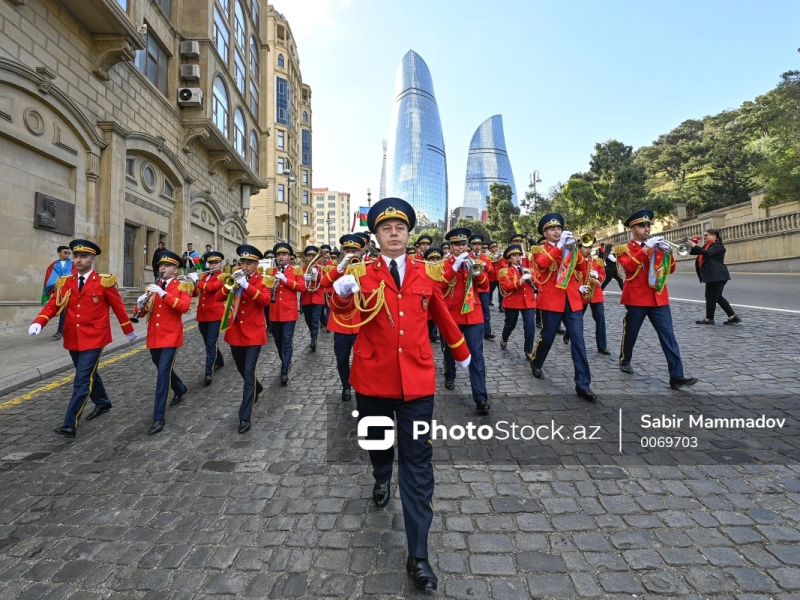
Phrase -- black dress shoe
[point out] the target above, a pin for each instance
(501, 309)
(313, 346)
(177, 399)
(705, 322)
(679, 382)
(537, 372)
(284, 379)
(626, 369)
(603, 351)
(244, 426)
(346, 395)
(68, 432)
(566, 338)
(97, 411)
(259, 389)
(422, 574)
(482, 408)
(561, 330)
(156, 427)
(380, 493)
(586, 394)
(489, 336)
(449, 384)
(733, 320)
(207, 380)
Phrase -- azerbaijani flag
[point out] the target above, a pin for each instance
(362, 215)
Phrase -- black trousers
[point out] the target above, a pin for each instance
(714, 297)
(210, 332)
(413, 462)
(246, 359)
(611, 275)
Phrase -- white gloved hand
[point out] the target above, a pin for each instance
(193, 277)
(156, 289)
(653, 241)
(314, 271)
(526, 277)
(308, 277)
(141, 299)
(665, 246)
(612, 258)
(593, 273)
(280, 277)
(346, 286)
(564, 239)
(35, 329)
(243, 283)
(464, 364)
(132, 336)
(583, 289)
(460, 260)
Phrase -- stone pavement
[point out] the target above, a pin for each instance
(200, 511)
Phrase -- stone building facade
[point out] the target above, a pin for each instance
(131, 122)
(333, 216)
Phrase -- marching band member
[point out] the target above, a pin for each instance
(424, 242)
(519, 238)
(411, 251)
(558, 263)
(445, 250)
(243, 324)
(476, 242)
(393, 370)
(647, 262)
(461, 297)
(326, 262)
(516, 286)
(283, 305)
(597, 272)
(494, 282)
(312, 299)
(165, 305)
(267, 254)
(209, 313)
(85, 297)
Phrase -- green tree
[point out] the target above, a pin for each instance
(473, 226)
(731, 163)
(618, 181)
(437, 235)
(502, 212)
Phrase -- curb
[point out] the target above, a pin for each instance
(54, 367)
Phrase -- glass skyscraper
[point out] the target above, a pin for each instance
(487, 164)
(416, 166)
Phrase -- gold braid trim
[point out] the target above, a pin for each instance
(435, 272)
(537, 250)
(361, 305)
(268, 281)
(61, 281)
(298, 271)
(61, 301)
(357, 270)
(108, 280)
(502, 275)
(186, 286)
(222, 276)
(624, 249)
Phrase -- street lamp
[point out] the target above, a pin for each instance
(290, 179)
(534, 179)
(330, 221)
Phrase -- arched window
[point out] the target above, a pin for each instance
(280, 60)
(239, 28)
(254, 152)
(238, 132)
(254, 56)
(221, 106)
(305, 116)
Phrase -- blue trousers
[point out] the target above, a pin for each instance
(61, 322)
(312, 313)
(283, 334)
(87, 384)
(661, 319)
(495, 285)
(210, 332)
(342, 348)
(473, 335)
(414, 466)
(433, 330)
(573, 323)
(246, 359)
(599, 316)
(528, 325)
(326, 311)
(164, 360)
(486, 299)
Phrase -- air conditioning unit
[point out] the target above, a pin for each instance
(188, 97)
(190, 49)
(190, 72)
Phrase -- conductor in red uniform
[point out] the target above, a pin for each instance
(209, 313)
(85, 297)
(394, 373)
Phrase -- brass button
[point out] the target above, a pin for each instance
(77, 325)
(402, 332)
(401, 313)
(77, 316)
(158, 315)
(399, 295)
(157, 324)
(399, 349)
(78, 306)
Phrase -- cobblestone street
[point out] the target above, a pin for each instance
(285, 511)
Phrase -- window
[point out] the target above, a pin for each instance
(240, 74)
(253, 99)
(332, 197)
(306, 147)
(129, 167)
(220, 106)
(283, 104)
(280, 164)
(254, 53)
(254, 152)
(238, 132)
(280, 60)
(149, 177)
(255, 10)
(222, 36)
(320, 205)
(332, 205)
(321, 229)
(305, 197)
(168, 191)
(305, 218)
(165, 5)
(226, 7)
(305, 116)
(305, 177)
(123, 4)
(281, 140)
(239, 29)
(152, 61)
(281, 188)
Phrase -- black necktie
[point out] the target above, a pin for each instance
(519, 269)
(395, 273)
(164, 285)
(80, 283)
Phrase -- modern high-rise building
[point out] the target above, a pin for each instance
(383, 173)
(487, 164)
(332, 216)
(416, 166)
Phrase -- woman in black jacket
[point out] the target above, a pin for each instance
(711, 269)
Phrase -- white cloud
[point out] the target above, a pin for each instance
(315, 18)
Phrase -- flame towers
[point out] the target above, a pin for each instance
(487, 164)
(416, 166)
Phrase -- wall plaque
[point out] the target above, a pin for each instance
(54, 215)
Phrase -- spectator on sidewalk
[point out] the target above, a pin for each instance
(154, 263)
(190, 259)
(203, 261)
(62, 266)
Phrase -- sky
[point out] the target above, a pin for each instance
(565, 75)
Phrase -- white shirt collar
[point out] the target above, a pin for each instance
(166, 281)
(87, 275)
(401, 264)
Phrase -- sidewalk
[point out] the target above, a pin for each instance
(27, 359)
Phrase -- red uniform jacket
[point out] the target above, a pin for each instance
(516, 293)
(249, 327)
(496, 266)
(392, 356)
(635, 260)
(598, 266)
(308, 298)
(346, 322)
(87, 325)
(488, 266)
(165, 320)
(285, 306)
(547, 261)
(454, 293)
(208, 307)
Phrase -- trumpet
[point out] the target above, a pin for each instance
(475, 267)
(232, 280)
(682, 249)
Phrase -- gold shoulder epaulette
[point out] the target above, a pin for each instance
(357, 270)
(108, 279)
(537, 249)
(502, 273)
(61, 281)
(328, 268)
(298, 271)
(222, 276)
(186, 286)
(621, 249)
(435, 272)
